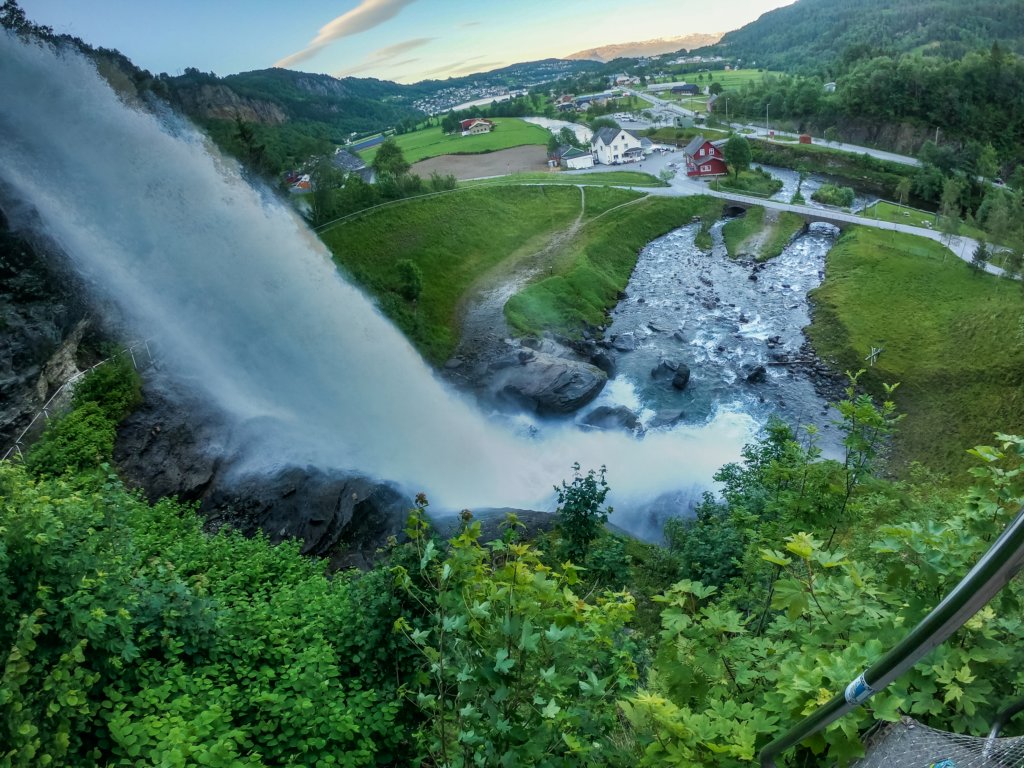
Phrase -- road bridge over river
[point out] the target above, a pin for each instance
(961, 247)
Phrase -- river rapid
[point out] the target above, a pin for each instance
(726, 320)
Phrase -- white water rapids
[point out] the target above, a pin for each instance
(247, 308)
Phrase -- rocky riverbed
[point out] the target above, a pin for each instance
(694, 333)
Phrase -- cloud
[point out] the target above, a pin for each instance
(367, 15)
(452, 65)
(473, 68)
(467, 24)
(382, 57)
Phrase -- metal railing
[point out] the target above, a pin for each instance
(67, 386)
(991, 573)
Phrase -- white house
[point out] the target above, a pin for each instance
(574, 159)
(611, 146)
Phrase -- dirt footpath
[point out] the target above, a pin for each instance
(515, 160)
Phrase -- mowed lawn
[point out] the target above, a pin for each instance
(952, 338)
(431, 142)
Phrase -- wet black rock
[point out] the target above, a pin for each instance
(174, 445)
(549, 384)
(682, 377)
(667, 418)
(666, 369)
(603, 361)
(608, 417)
(757, 375)
(624, 342)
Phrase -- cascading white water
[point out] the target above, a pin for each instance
(249, 310)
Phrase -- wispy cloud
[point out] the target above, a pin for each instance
(453, 65)
(467, 24)
(382, 57)
(367, 15)
(471, 68)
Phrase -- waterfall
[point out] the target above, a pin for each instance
(247, 309)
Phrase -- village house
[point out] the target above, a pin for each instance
(475, 126)
(350, 163)
(574, 158)
(612, 146)
(704, 158)
(686, 89)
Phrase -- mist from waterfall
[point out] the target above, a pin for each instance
(246, 308)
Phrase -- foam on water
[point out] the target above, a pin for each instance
(246, 307)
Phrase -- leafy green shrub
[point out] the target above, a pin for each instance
(516, 669)
(830, 194)
(580, 515)
(115, 386)
(130, 636)
(81, 440)
(410, 279)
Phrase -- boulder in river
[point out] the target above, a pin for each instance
(549, 384)
(666, 369)
(667, 418)
(624, 342)
(681, 378)
(612, 417)
(756, 375)
(603, 361)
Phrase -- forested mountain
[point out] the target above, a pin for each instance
(809, 36)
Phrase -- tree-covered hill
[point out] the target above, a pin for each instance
(811, 35)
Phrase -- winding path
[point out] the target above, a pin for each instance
(482, 311)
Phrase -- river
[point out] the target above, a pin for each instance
(702, 309)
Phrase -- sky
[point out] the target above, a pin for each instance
(401, 40)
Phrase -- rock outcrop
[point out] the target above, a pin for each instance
(545, 383)
(612, 417)
(219, 102)
(42, 324)
(175, 446)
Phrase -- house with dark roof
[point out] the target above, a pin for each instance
(686, 89)
(704, 158)
(350, 163)
(612, 146)
(574, 158)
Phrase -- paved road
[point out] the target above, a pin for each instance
(961, 247)
(762, 133)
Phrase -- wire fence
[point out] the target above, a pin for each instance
(57, 400)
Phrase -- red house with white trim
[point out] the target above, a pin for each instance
(704, 158)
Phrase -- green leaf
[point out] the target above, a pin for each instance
(503, 664)
(551, 710)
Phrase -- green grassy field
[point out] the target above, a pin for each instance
(752, 182)
(609, 178)
(682, 136)
(454, 239)
(589, 273)
(431, 142)
(915, 217)
(766, 236)
(740, 229)
(952, 338)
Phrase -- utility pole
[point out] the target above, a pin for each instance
(765, 119)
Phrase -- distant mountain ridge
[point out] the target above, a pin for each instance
(655, 47)
(810, 34)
